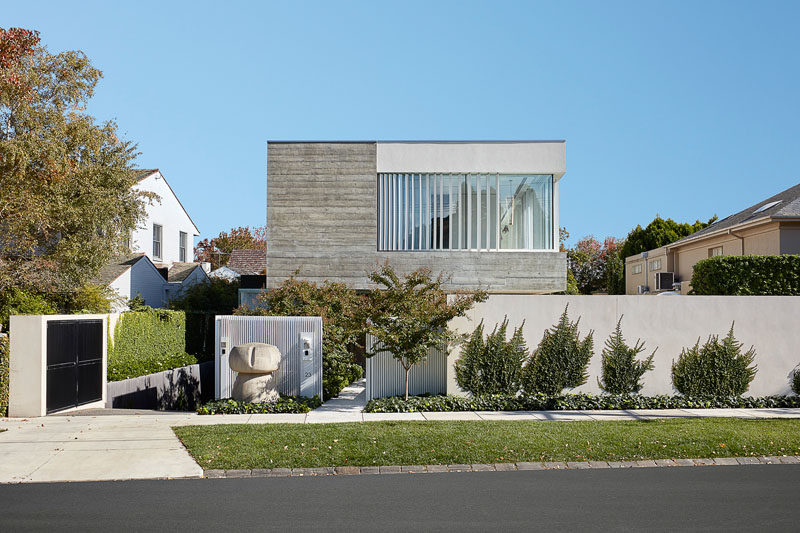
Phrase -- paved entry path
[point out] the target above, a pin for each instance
(347, 407)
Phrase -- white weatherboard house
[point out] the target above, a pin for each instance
(159, 266)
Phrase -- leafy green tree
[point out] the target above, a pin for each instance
(217, 251)
(493, 366)
(622, 372)
(560, 360)
(596, 266)
(66, 196)
(409, 315)
(796, 381)
(715, 369)
(658, 233)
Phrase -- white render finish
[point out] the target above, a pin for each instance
(503, 157)
(170, 215)
(28, 363)
(671, 323)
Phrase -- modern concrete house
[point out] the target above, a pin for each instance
(484, 212)
(770, 227)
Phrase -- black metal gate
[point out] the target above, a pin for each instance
(74, 363)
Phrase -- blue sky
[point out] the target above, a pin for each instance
(685, 109)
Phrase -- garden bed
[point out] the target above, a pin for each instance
(286, 404)
(470, 442)
(542, 402)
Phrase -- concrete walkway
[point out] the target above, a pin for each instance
(96, 445)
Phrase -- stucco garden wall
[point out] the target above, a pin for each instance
(769, 323)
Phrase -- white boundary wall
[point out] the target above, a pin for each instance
(770, 323)
(386, 376)
(28, 364)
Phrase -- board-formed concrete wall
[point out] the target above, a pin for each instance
(322, 218)
(768, 323)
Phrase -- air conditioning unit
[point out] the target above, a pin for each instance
(664, 281)
(642, 289)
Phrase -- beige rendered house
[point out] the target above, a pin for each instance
(770, 227)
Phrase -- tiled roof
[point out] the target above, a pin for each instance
(116, 267)
(141, 173)
(248, 262)
(180, 271)
(785, 204)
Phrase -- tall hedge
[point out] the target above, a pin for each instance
(4, 351)
(748, 275)
(148, 341)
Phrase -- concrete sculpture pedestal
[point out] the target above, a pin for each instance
(255, 363)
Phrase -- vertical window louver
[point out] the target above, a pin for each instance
(465, 212)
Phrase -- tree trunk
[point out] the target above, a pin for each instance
(408, 369)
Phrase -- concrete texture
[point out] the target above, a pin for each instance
(322, 215)
(179, 388)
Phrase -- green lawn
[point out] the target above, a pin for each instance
(458, 442)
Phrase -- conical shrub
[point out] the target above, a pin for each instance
(622, 372)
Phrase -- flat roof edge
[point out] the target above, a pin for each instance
(510, 141)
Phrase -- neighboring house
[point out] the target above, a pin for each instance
(162, 245)
(167, 233)
(484, 212)
(248, 262)
(770, 227)
(134, 275)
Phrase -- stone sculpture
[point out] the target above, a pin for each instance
(256, 364)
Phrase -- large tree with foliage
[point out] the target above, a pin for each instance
(659, 232)
(217, 250)
(596, 266)
(410, 314)
(66, 200)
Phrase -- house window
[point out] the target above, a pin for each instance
(637, 269)
(156, 241)
(715, 252)
(465, 212)
(182, 246)
(655, 264)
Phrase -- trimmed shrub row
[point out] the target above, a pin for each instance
(497, 366)
(148, 341)
(582, 402)
(748, 275)
(286, 404)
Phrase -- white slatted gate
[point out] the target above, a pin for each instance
(297, 376)
(386, 377)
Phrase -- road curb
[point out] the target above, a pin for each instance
(497, 467)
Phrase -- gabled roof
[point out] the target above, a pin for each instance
(117, 267)
(248, 262)
(141, 174)
(785, 204)
(180, 271)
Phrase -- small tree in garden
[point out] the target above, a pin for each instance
(560, 360)
(796, 380)
(714, 369)
(493, 366)
(409, 315)
(621, 371)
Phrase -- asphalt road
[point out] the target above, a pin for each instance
(737, 498)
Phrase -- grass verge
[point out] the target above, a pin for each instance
(467, 442)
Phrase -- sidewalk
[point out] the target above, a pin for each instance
(96, 445)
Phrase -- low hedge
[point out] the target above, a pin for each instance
(579, 402)
(4, 351)
(748, 275)
(148, 341)
(286, 404)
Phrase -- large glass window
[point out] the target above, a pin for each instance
(465, 212)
